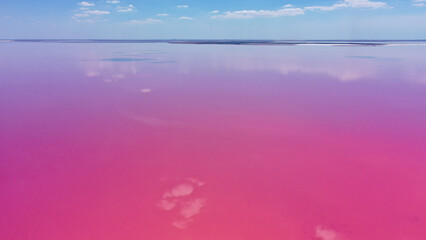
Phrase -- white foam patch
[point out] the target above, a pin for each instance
(196, 182)
(167, 204)
(179, 191)
(181, 224)
(192, 208)
(326, 234)
(145, 90)
(181, 203)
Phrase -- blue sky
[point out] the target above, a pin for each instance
(184, 19)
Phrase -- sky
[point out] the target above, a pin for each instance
(219, 19)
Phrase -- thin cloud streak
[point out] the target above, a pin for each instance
(350, 4)
(146, 21)
(80, 15)
(186, 18)
(86, 4)
(98, 12)
(419, 3)
(129, 8)
(89, 13)
(289, 10)
(248, 14)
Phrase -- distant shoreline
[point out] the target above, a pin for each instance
(233, 42)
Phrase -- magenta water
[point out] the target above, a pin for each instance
(168, 141)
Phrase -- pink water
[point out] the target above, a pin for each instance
(212, 142)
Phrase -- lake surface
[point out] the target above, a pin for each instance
(160, 141)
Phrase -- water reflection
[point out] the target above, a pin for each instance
(375, 58)
(327, 234)
(126, 59)
(181, 197)
(226, 142)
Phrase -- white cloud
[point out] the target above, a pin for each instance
(113, 1)
(192, 208)
(86, 20)
(363, 4)
(186, 18)
(146, 21)
(419, 3)
(129, 8)
(350, 4)
(86, 4)
(289, 10)
(84, 14)
(326, 234)
(80, 15)
(214, 12)
(182, 6)
(162, 14)
(322, 8)
(97, 12)
(247, 14)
